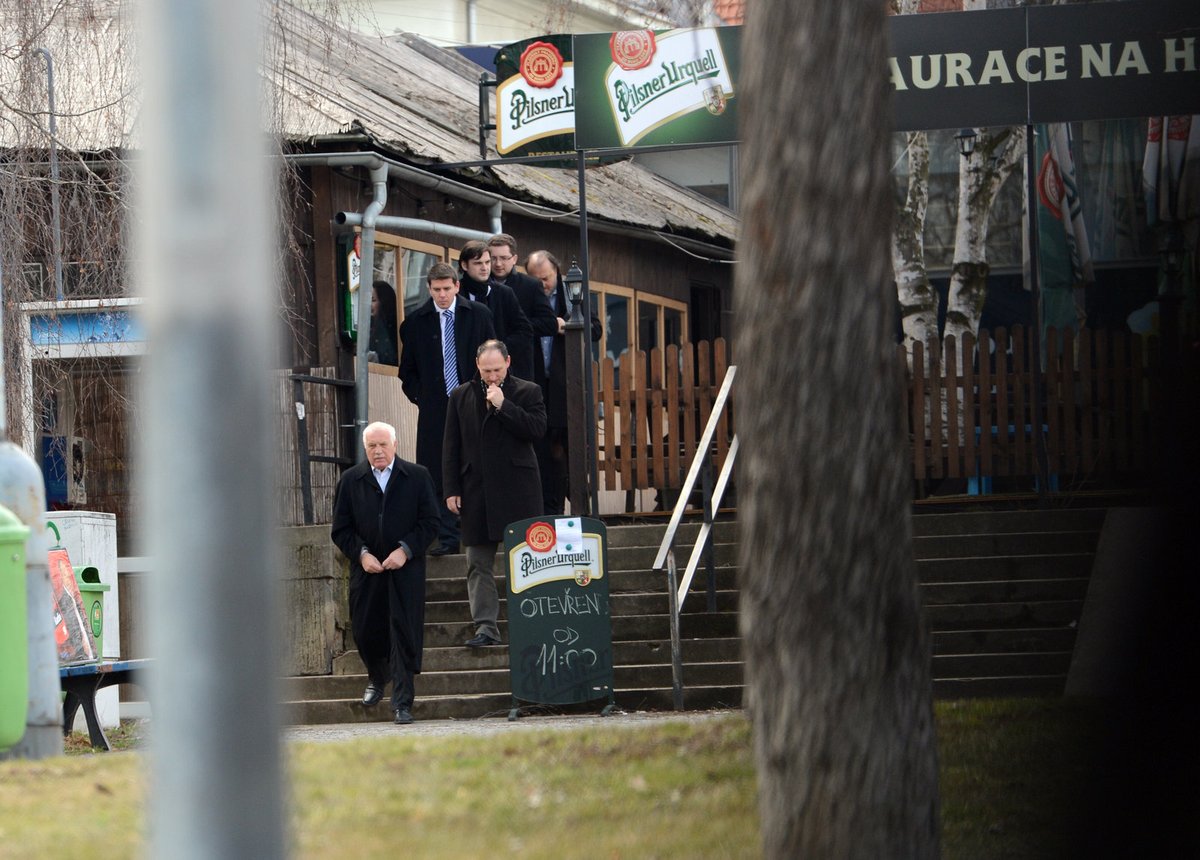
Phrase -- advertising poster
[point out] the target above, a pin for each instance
(651, 88)
(535, 97)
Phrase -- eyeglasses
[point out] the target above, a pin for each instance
(503, 259)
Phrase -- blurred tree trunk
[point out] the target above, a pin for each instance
(837, 665)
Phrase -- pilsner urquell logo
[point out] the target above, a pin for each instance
(689, 73)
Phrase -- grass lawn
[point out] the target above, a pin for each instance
(1008, 771)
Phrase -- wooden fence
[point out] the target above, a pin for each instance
(977, 419)
(974, 425)
(652, 410)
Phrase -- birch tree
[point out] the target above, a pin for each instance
(837, 666)
(980, 176)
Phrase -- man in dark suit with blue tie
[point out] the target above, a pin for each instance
(432, 365)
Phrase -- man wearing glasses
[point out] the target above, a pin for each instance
(530, 296)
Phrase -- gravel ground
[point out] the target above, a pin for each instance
(494, 725)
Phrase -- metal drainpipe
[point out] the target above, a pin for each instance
(496, 212)
(391, 222)
(472, 8)
(366, 276)
(55, 217)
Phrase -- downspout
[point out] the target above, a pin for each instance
(496, 213)
(472, 8)
(366, 276)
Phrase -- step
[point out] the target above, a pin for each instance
(1014, 640)
(981, 522)
(980, 688)
(1049, 613)
(624, 654)
(1004, 591)
(619, 558)
(1004, 545)
(647, 535)
(1047, 566)
(1001, 665)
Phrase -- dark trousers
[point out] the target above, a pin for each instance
(552, 464)
(387, 616)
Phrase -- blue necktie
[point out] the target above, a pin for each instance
(449, 362)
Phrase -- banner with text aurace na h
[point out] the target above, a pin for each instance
(559, 625)
(1044, 64)
(535, 97)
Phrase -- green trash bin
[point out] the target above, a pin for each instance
(91, 589)
(14, 646)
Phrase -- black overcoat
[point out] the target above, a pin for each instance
(489, 459)
(510, 321)
(421, 372)
(554, 387)
(363, 515)
(536, 307)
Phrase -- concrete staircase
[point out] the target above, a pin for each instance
(1003, 593)
(461, 683)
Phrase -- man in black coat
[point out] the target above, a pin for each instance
(491, 471)
(512, 327)
(551, 374)
(384, 515)
(423, 377)
(530, 297)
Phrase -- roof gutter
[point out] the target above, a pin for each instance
(498, 203)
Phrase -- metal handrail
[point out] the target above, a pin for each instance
(689, 483)
(677, 592)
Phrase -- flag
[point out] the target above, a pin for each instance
(1065, 259)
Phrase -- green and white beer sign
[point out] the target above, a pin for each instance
(643, 88)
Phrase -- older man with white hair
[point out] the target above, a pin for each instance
(385, 514)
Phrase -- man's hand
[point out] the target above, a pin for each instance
(562, 325)
(454, 503)
(495, 396)
(370, 563)
(396, 560)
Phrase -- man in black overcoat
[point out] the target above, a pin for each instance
(422, 373)
(384, 515)
(491, 471)
(512, 327)
(551, 374)
(530, 297)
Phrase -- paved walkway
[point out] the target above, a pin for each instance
(496, 725)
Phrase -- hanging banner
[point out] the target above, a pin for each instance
(535, 97)
(649, 88)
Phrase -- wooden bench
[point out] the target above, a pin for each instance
(80, 683)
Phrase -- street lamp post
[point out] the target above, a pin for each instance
(576, 408)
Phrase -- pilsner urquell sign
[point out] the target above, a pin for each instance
(645, 87)
(535, 97)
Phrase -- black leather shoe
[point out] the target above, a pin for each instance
(372, 695)
(444, 549)
(481, 640)
(403, 717)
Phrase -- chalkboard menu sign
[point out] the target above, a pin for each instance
(559, 626)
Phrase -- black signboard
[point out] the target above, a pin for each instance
(1041, 64)
(559, 625)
